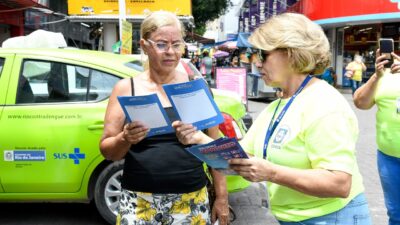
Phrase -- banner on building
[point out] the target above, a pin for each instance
(328, 11)
(126, 39)
(232, 79)
(133, 7)
(254, 15)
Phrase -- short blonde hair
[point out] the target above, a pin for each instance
(159, 19)
(305, 42)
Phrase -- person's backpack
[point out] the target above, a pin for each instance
(328, 76)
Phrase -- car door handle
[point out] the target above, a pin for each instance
(96, 126)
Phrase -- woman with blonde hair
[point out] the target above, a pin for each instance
(303, 144)
(162, 183)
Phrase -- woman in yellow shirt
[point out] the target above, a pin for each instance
(383, 90)
(355, 70)
(303, 143)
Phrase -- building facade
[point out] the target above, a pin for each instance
(21, 17)
(354, 27)
(255, 12)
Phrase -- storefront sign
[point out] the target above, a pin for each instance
(254, 15)
(261, 8)
(330, 11)
(133, 7)
(241, 23)
(232, 79)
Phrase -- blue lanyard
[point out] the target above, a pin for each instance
(272, 125)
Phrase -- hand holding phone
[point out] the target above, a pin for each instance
(386, 47)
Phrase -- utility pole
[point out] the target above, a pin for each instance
(122, 16)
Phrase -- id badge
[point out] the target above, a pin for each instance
(398, 105)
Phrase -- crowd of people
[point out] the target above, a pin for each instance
(302, 145)
(206, 63)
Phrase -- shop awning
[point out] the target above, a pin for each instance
(199, 38)
(242, 40)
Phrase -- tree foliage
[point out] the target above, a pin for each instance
(207, 10)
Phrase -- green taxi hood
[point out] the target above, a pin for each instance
(229, 102)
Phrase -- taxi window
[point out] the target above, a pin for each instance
(1, 65)
(136, 65)
(45, 81)
(101, 85)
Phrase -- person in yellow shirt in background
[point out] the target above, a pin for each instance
(354, 71)
(383, 90)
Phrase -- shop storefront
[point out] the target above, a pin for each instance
(107, 13)
(354, 27)
(12, 17)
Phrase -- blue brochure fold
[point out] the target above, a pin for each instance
(217, 153)
(193, 103)
(148, 110)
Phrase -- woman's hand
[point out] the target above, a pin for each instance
(395, 68)
(380, 63)
(220, 211)
(135, 132)
(349, 74)
(253, 169)
(187, 134)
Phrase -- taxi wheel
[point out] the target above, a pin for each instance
(108, 190)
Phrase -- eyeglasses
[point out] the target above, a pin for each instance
(163, 46)
(262, 55)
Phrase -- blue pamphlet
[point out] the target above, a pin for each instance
(148, 110)
(193, 103)
(217, 153)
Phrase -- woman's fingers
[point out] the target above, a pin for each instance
(135, 132)
(184, 132)
(396, 57)
(395, 68)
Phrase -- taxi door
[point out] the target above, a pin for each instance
(6, 61)
(50, 128)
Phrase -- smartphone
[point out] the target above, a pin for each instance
(386, 47)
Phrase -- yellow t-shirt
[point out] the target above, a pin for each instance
(358, 71)
(387, 97)
(319, 130)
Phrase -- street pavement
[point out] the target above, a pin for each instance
(250, 205)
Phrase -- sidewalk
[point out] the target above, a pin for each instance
(344, 90)
(250, 206)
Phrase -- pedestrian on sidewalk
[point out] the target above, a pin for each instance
(329, 75)
(307, 152)
(162, 183)
(354, 71)
(206, 66)
(383, 90)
